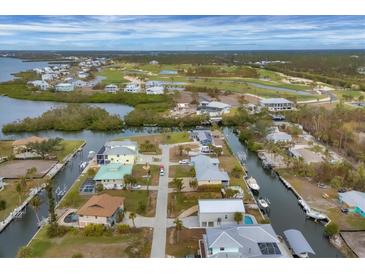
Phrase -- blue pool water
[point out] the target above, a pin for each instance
(248, 220)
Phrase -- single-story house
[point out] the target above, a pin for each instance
(122, 152)
(277, 136)
(277, 104)
(132, 87)
(208, 172)
(40, 84)
(355, 200)
(100, 209)
(203, 136)
(214, 107)
(64, 87)
(82, 74)
(111, 176)
(111, 88)
(153, 62)
(21, 144)
(217, 212)
(242, 241)
(156, 90)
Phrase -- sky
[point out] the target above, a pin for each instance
(181, 32)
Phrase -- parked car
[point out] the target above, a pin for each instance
(136, 186)
(344, 210)
(321, 185)
(184, 162)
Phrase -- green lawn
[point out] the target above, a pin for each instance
(73, 199)
(113, 76)
(181, 171)
(69, 146)
(74, 243)
(138, 172)
(6, 149)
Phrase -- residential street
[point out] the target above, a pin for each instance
(159, 229)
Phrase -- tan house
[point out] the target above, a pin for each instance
(100, 209)
(21, 144)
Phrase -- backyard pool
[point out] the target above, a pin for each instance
(249, 220)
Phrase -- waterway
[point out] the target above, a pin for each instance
(285, 212)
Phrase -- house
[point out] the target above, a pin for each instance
(111, 88)
(154, 62)
(132, 87)
(277, 104)
(355, 200)
(208, 172)
(82, 74)
(204, 137)
(242, 241)
(277, 136)
(122, 152)
(168, 72)
(214, 108)
(154, 83)
(64, 87)
(111, 176)
(155, 90)
(40, 84)
(100, 209)
(21, 144)
(217, 212)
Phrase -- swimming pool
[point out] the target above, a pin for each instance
(248, 220)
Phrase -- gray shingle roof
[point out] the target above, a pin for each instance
(206, 169)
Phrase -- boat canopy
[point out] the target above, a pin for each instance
(297, 242)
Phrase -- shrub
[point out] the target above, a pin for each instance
(142, 206)
(123, 229)
(120, 216)
(210, 188)
(2, 204)
(25, 252)
(95, 230)
(331, 229)
(55, 230)
(78, 255)
(99, 187)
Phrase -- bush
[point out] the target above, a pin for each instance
(55, 230)
(99, 187)
(2, 204)
(142, 206)
(25, 252)
(120, 216)
(331, 229)
(78, 255)
(123, 229)
(96, 230)
(210, 188)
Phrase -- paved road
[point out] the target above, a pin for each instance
(159, 228)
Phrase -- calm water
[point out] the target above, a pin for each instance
(285, 213)
(13, 65)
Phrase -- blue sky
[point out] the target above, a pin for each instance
(181, 32)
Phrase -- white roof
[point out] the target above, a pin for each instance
(354, 198)
(279, 137)
(215, 104)
(276, 101)
(221, 206)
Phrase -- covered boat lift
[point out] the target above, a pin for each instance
(297, 243)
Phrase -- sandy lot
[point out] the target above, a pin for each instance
(18, 168)
(356, 241)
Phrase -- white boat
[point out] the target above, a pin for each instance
(91, 154)
(263, 203)
(316, 215)
(253, 184)
(83, 165)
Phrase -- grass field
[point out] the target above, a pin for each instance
(138, 172)
(75, 244)
(182, 243)
(180, 171)
(69, 146)
(113, 76)
(6, 149)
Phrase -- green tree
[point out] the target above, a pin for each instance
(178, 226)
(132, 216)
(129, 180)
(19, 190)
(193, 183)
(238, 217)
(36, 203)
(178, 183)
(331, 229)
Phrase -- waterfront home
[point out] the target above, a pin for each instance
(21, 144)
(242, 241)
(132, 87)
(168, 72)
(277, 136)
(208, 172)
(154, 62)
(157, 90)
(111, 88)
(355, 200)
(82, 74)
(304, 152)
(154, 83)
(217, 212)
(111, 176)
(214, 108)
(204, 137)
(40, 84)
(100, 209)
(277, 104)
(122, 152)
(64, 87)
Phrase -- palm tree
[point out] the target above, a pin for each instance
(19, 190)
(132, 216)
(36, 203)
(178, 226)
(181, 150)
(238, 217)
(178, 183)
(31, 173)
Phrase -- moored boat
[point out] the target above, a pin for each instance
(252, 183)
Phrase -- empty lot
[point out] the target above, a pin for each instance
(18, 168)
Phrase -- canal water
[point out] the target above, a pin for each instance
(285, 212)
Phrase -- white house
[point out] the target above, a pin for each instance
(217, 212)
(64, 87)
(40, 84)
(132, 87)
(155, 90)
(213, 108)
(154, 62)
(277, 104)
(83, 75)
(111, 88)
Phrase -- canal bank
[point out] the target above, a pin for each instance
(285, 212)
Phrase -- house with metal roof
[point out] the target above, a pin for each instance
(204, 137)
(208, 172)
(242, 241)
(355, 200)
(214, 109)
(112, 88)
(156, 90)
(277, 104)
(132, 87)
(111, 176)
(217, 212)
